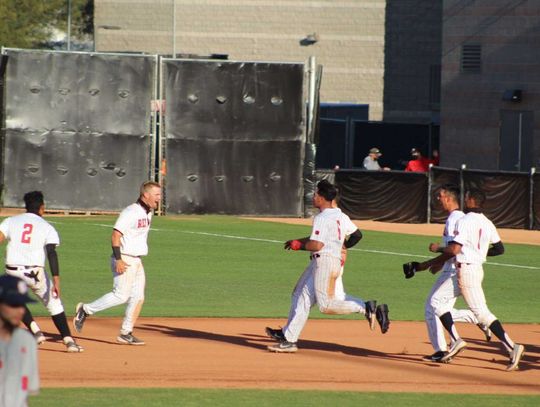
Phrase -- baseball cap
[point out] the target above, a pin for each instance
(13, 291)
(415, 152)
(375, 150)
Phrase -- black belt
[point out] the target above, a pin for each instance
(19, 267)
(314, 256)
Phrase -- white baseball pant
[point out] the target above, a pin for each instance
(39, 282)
(127, 287)
(441, 300)
(470, 277)
(326, 290)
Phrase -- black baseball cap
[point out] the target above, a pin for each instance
(13, 291)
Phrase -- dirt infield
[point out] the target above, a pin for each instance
(432, 229)
(333, 355)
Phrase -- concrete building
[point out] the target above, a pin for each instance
(491, 84)
(376, 52)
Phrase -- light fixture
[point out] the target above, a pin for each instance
(309, 39)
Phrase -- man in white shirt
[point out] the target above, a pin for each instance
(30, 239)
(476, 237)
(318, 283)
(129, 244)
(445, 291)
(19, 376)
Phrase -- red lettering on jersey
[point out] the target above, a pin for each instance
(316, 232)
(24, 383)
(23, 349)
(142, 223)
(27, 233)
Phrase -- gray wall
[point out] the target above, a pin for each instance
(412, 60)
(472, 105)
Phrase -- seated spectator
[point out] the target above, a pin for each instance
(418, 162)
(371, 161)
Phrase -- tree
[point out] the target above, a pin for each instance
(30, 23)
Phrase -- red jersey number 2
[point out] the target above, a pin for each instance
(27, 233)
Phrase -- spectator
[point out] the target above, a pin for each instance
(418, 162)
(371, 161)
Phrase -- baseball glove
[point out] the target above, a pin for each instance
(410, 268)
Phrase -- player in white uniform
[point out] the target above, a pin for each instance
(473, 238)
(445, 291)
(30, 239)
(317, 285)
(129, 244)
(19, 375)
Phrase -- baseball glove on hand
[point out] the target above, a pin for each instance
(410, 268)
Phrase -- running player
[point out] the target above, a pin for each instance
(445, 291)
(473, 238)
(129, 244)
(30, 238)
(317, 285)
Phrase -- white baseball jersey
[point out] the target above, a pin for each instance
(330, 227)
(27, 236)
(475, 233)
(134, 224)
(449, 234)
(19, 374)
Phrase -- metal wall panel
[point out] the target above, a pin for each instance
(234, 137)
(77, 126)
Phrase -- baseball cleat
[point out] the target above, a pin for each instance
(129, 339)
(457, 347)
(370, 313)
(515, 356)
(80, 317)
(436, 357)
(40, 338)
(486, 331)
(283, 347)
(382, 317)
(72, 347)
(276, 334)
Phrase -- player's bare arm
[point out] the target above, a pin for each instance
(2, 238)
(121, 265)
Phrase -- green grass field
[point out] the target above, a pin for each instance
(219, 266)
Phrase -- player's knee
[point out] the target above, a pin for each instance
(486, 319)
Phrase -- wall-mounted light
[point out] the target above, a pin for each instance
(309, 39)
(512, 95)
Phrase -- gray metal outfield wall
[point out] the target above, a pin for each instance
(76, 126)
(235, 137)
(83, 128)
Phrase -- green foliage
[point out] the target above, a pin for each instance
(219, 266)
(30, 23)
(105, 397)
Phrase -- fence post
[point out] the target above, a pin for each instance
(531, 198)
(429, 186)
(462, 187)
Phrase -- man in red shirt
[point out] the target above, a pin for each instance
(418, 163)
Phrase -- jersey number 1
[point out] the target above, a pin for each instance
(27, 233)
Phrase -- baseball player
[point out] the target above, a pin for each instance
(475, 238)
(445, 291)
(317, 284)
(129, 244)
(18, 351)
(30, 239)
